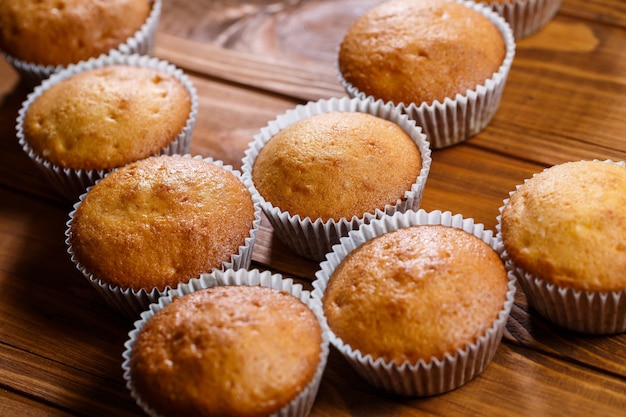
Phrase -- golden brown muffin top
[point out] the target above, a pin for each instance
(62, 32)
(567, 224)
(105, 118)
(416, 293)
(229, 351)
(161, 221)
(334, 165)
(415, 51)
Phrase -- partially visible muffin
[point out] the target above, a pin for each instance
(567, 225)
(40, 38)
(232, 350)
(563, 230)
(414, 51)
(53, 32)
(326, 167)
(106, 113)
(160, 221)
(335, 165)
(417, 302)
(433, 58)
(525, 16)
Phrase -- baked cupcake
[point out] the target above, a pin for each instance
(443, 62)
(563, 231)
(327, 167)
(233, 343)
(525, 16)
(417, 302)
(105, 113)
(42, 37)
(160, 221)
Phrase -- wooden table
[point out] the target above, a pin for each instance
(61, 346)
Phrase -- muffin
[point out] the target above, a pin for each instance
(103, 114)
(563, 232)
(239, 343)
(525, 16)
(42, 37)
(417, 302)
(326, 158)
(443, 62)
(160, 221)
(327, 167)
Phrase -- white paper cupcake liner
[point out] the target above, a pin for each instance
(458, 118)
(313, 238)
(131, 302)
(141, 43)
(581, 311)
(299, 406)
(526, 16)
(591, 312)
(73, 182)
(434, 376)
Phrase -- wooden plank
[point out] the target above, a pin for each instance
(304, 32)
(607, 12)
(71, 389)
(229, 116)
(528, 329)
(251, 70)
(13, 404)
(473, 182)
(518, 382)
(565, 96)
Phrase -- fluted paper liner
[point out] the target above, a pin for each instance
(72, 182)
(455, 119)
(526, 16)
(131, 302)
(141, 43)
(299, 406)
(591, 312)
(313, 238)
(426, 377)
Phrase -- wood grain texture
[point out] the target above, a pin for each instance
(565, 99)
(17, 405)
